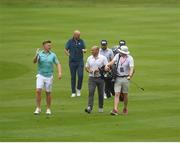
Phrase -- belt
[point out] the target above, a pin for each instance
(94, 77)
(123, 76)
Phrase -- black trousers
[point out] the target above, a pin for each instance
(109, 88)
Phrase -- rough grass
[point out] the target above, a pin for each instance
(151, 31)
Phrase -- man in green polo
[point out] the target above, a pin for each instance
(45, 60)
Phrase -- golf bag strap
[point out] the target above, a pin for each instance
(118, 62)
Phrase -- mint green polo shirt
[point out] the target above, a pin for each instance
(46, 62)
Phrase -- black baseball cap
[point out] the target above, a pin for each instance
(103, 42)
(122, 42)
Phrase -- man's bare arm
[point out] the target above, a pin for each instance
(67, 52)
(88, 70)
(107, 67)
(59, 71)
(35, 59)
(131, 73)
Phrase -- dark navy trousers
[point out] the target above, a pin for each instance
(76, 68)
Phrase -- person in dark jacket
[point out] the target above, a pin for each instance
(75, 48)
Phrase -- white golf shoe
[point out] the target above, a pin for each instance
(101, 110)
(37, 111)
(73, 95)
(78, 92)
(48, 112)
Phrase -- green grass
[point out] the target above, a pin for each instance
(151, 29)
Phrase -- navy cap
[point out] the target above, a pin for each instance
(103, 42)
(122, 42)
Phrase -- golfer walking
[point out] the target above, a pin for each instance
(125, 68)
(94, 62)
(45, 60)
(108, 53)
(75, 48)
